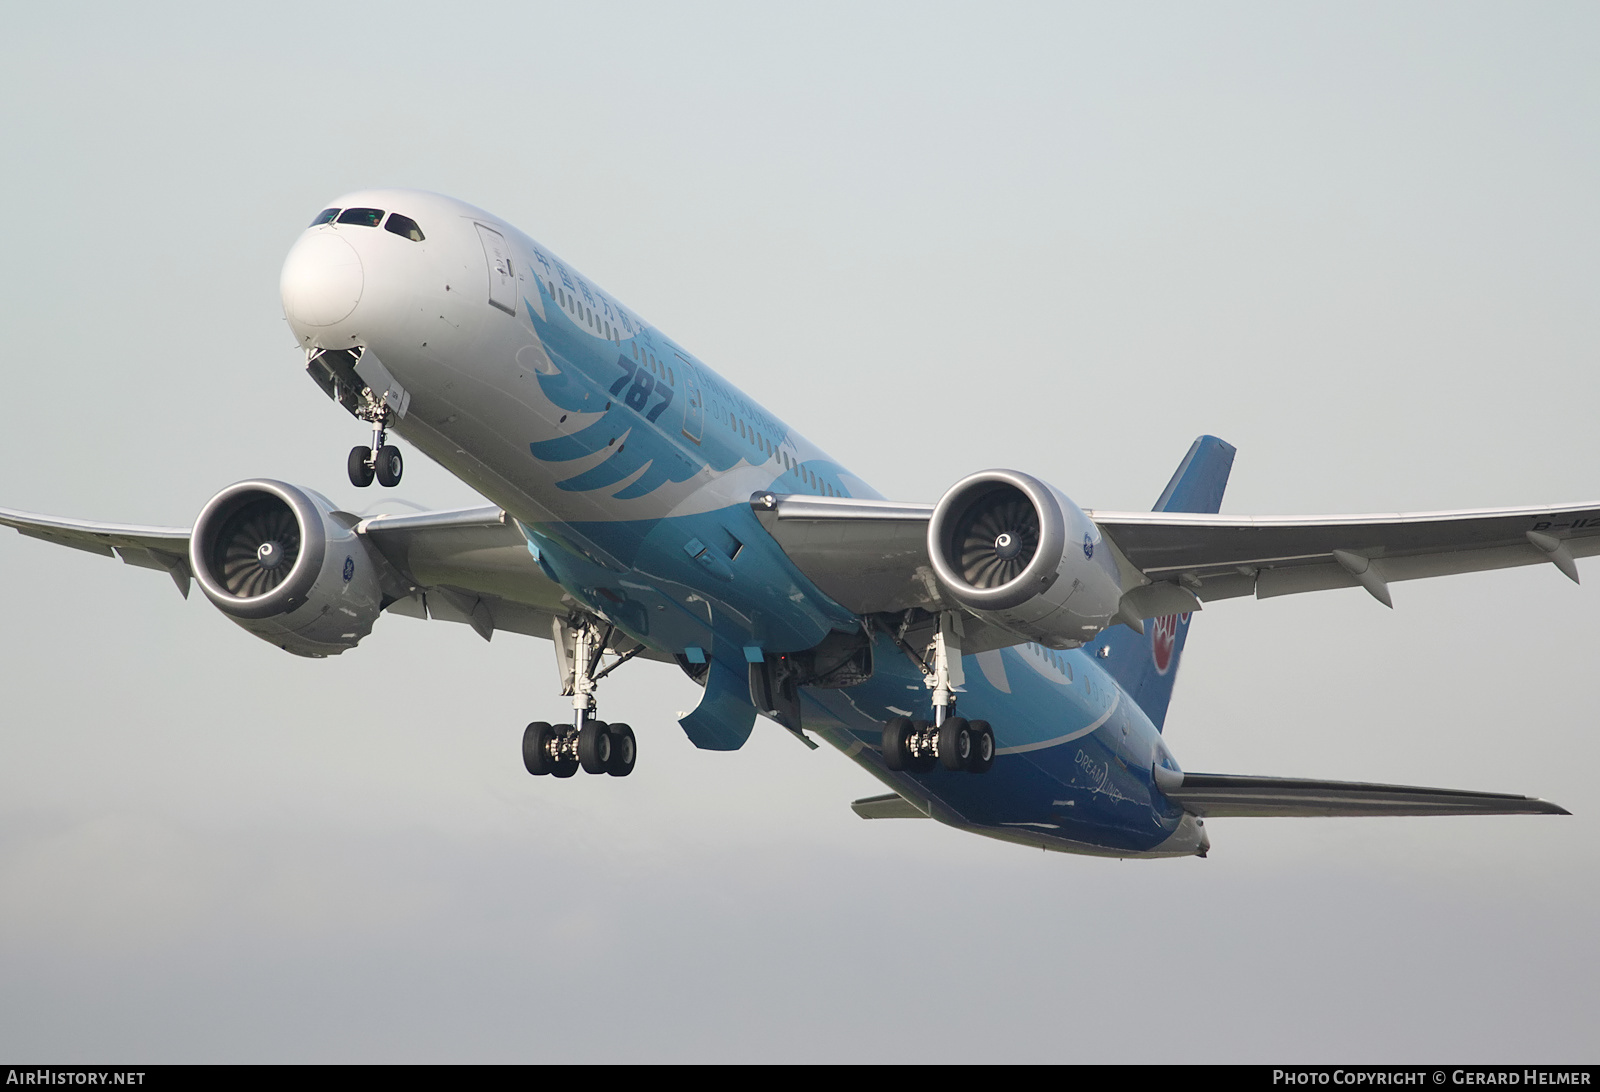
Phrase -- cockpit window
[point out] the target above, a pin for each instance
(364, 217)
(403, 225)
(325, 217)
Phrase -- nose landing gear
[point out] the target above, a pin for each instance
(380, 461)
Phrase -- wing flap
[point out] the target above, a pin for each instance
(477, 550)
(1224, 795)
(867, 556)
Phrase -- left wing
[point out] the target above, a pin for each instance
(1218, 557)
(1214, 795)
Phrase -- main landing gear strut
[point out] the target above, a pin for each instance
(949, 741)
(594, 745)
(379, 460)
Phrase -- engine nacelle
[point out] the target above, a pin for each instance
(287, 566)
(1018, 553)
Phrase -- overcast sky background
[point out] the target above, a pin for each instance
(1358, 241)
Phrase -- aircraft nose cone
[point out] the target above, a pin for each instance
(322, 280)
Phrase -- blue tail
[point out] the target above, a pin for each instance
(1146, 666)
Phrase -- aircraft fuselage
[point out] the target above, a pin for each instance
(629, 466)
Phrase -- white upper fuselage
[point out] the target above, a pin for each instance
(452, 326)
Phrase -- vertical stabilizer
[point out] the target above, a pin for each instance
(1146, 665)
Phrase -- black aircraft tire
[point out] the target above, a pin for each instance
(955, 744)
(982, 747)
(594, 747)
(895, 731)
(389, 466)
(536, 748)
(359, 466)
(565, 766)
(624, 751)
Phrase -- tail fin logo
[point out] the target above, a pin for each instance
(1162, 636)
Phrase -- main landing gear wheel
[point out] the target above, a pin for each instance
(982, 747)
(896, 743)
(594, 747)
(560, 752)
(360, 466)
(623, 751)
(955, 744)
(918, 746)
(388, 465)
(537, 756)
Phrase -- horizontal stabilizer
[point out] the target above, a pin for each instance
(890, 805)
(1213, 795)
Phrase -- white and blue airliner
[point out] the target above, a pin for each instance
(1002, 660)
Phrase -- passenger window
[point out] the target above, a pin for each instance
(404, 226)
(364, 217)
(670, 380)
(636, 352)
(325, 217)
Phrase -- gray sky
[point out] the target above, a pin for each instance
(1357, 241)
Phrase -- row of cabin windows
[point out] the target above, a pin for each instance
(600, 325)
(594, 321)
(403, 226)
(1054, 658)
(663, 371)
(737, 424)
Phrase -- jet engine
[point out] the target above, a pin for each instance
(286, 565)
(1017, 553)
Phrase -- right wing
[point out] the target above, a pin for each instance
(470, 565)
(163, 548)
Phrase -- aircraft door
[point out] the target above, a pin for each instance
(502, 278)
(693, 404)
